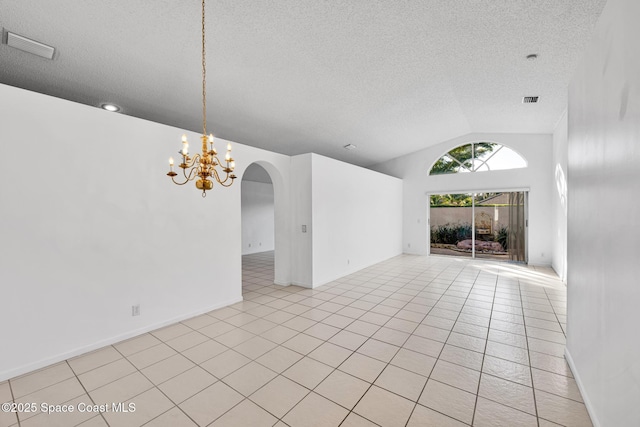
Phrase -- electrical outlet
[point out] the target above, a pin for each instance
(348, 262)
(249, 244)
(304, 228)
(135, 310)
(408, 245)
(260, 244)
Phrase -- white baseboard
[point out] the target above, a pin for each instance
(583, 392)
(30, 367)
(541, 264)
(276, 282)
(303, 285)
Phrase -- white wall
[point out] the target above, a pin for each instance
(90, 225)
(559, 198)
(301, 208)
(357, 218)
(414, 170)
(353, 218)
(258, 222)
(603, 344)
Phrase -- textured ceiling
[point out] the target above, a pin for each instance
(297, 76)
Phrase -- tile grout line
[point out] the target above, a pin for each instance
(154, 386)
(524, 319)
(564, 332)
(86, 392)
(354, 351)
(388, 363)
(307, 355)
(486, 344)
(441, 350)
(396, 288)
(371, 336)
(13, 400)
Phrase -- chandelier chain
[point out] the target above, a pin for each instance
(203, 166)
(204, 77)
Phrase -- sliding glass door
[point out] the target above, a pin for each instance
(517, 227)
(479, 225)
(451, 224)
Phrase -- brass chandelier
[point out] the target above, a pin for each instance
(204, 165)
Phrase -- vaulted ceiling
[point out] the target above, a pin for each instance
(297, 76)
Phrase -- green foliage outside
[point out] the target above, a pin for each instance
(460, 200)
(452, 234)
(461, 158)
(444, 200)
(502, 237)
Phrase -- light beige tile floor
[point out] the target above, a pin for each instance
(413, 341)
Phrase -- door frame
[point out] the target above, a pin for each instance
(524, 190)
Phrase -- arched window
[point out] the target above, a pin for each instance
(478, 157)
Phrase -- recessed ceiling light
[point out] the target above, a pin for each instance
(532, 57)
(110, 107)
(349, 147)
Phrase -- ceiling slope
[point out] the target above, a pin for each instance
(295, 76)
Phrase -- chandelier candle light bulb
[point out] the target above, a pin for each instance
(203, 165)
(185, 146)
(213, 150)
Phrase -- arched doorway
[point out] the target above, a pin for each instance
(264, 181)
(258, 229)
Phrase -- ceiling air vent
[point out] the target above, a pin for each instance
(30, 46)
(530, 99)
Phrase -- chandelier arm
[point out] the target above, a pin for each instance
(190, 166)
(184, 172)
(222, 182)
(192, 173)
(215, 161)
(179, 183)
(195, 159)
(187, 178)
(217, 176)
(219, 162)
